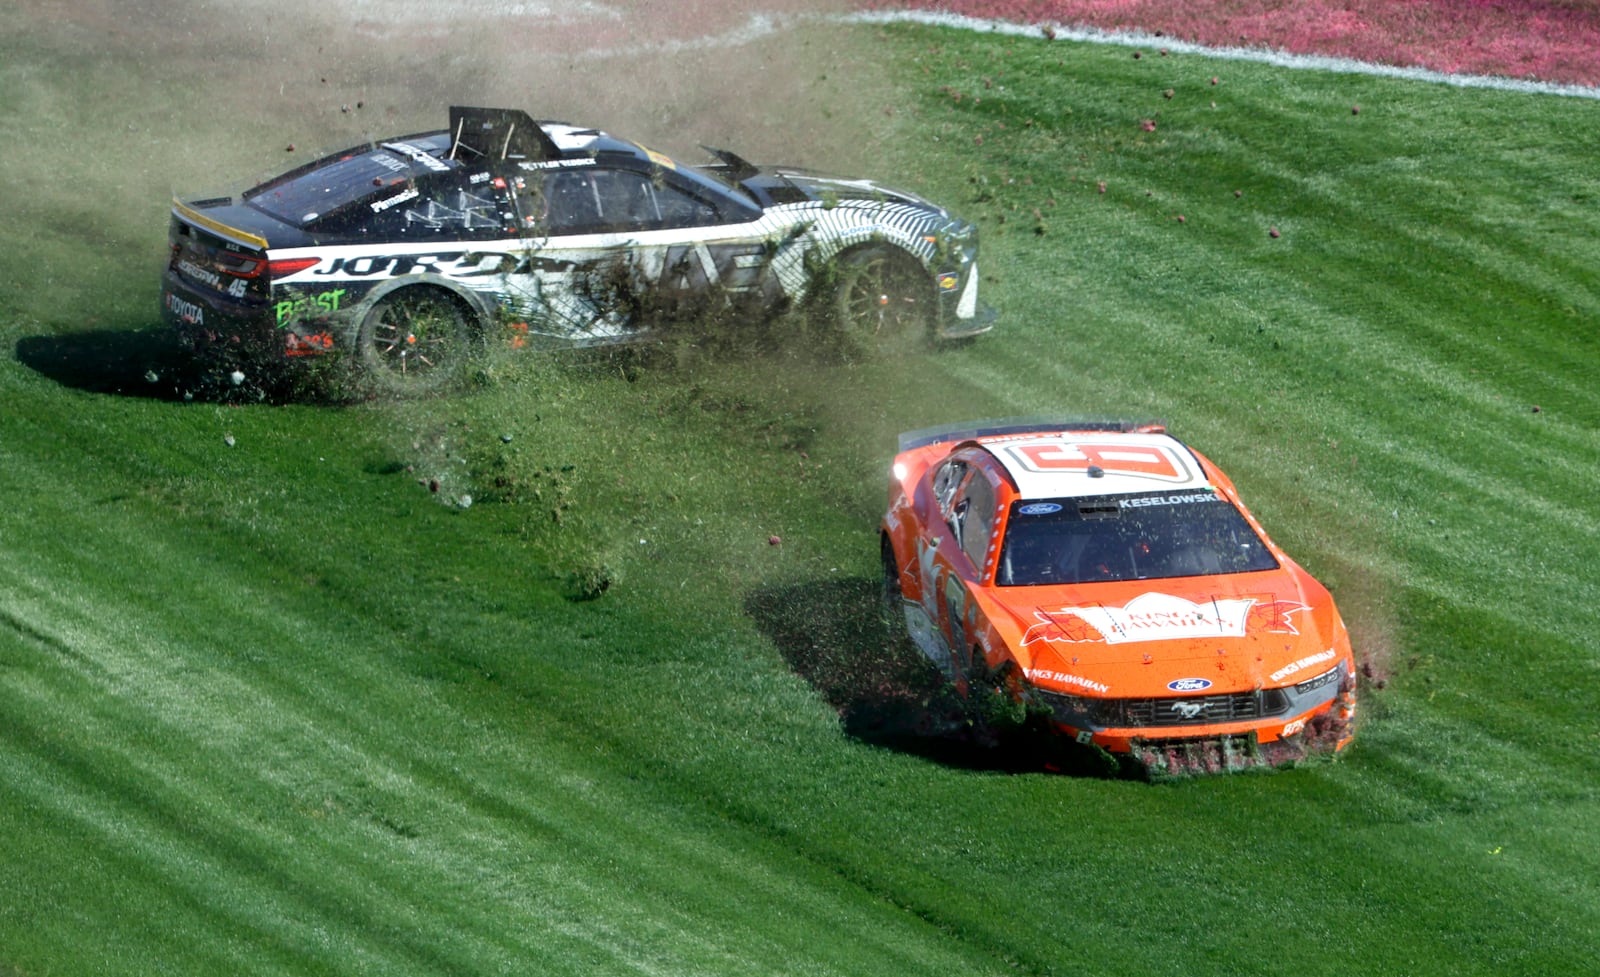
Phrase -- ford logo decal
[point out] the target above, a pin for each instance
(1039, 509)
(1189, 684)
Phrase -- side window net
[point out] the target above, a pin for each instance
(460, 209)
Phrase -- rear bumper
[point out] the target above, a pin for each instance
(204, 325)
(207, 324)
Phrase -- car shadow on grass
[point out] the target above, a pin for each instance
(835, 636)
(148, 363)
(127, 362)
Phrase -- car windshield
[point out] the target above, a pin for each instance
(301, 198)
(1127, 537)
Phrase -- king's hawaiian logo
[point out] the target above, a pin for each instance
(1163, 617)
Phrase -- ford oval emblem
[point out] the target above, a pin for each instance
(1039, 508)
(1189, 684)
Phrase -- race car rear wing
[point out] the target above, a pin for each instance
(1024, 425)
(190, 212)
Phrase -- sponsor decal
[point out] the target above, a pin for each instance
(1292, 728)
(199, 274)
(389, 163)
(686, 267)
(301, 306)
(410, 193)
(556, 164)
(189, 312)
(1304, 663)
(1063, 678)
(420, 155)
(393, 265)
(1038, 509)
(1189, 684)
(478, 178)
(1168, 500)
(1163, 617)
(660, 159)
(311, 344)
(1139, 461)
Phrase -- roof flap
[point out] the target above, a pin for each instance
(494, 135)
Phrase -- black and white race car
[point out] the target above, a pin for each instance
(409, 253)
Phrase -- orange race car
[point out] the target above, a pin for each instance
(1107, 575)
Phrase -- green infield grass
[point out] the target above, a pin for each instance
(578, 669)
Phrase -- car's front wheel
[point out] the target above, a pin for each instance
(416, 339)
(882, 301)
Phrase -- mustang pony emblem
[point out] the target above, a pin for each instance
(1187, 710)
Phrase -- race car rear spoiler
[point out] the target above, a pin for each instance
(189, 213)
(1024, 425)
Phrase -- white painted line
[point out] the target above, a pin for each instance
(1303, 62)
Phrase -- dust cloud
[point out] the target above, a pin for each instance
(227, 83)
(112, 108)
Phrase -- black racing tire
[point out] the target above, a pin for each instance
(417, 339)
(882, 302)
(893, 596)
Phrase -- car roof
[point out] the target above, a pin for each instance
(498, 134)
(512, 135)
(579, 140)
(1071, 464)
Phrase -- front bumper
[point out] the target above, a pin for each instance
(1316, 715)
(961, 314)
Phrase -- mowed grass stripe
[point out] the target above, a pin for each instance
(324, 744)
(1339, 314)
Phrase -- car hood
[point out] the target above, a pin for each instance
(789, 185)
(1179, 635)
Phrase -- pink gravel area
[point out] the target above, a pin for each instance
(1555, 41)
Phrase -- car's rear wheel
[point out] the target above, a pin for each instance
(882, 302)
(416, 339)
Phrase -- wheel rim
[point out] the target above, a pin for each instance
(416, 338)
(879, 305)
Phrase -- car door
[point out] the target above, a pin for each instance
(613, 249)
(958, 521)
(971, 519)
